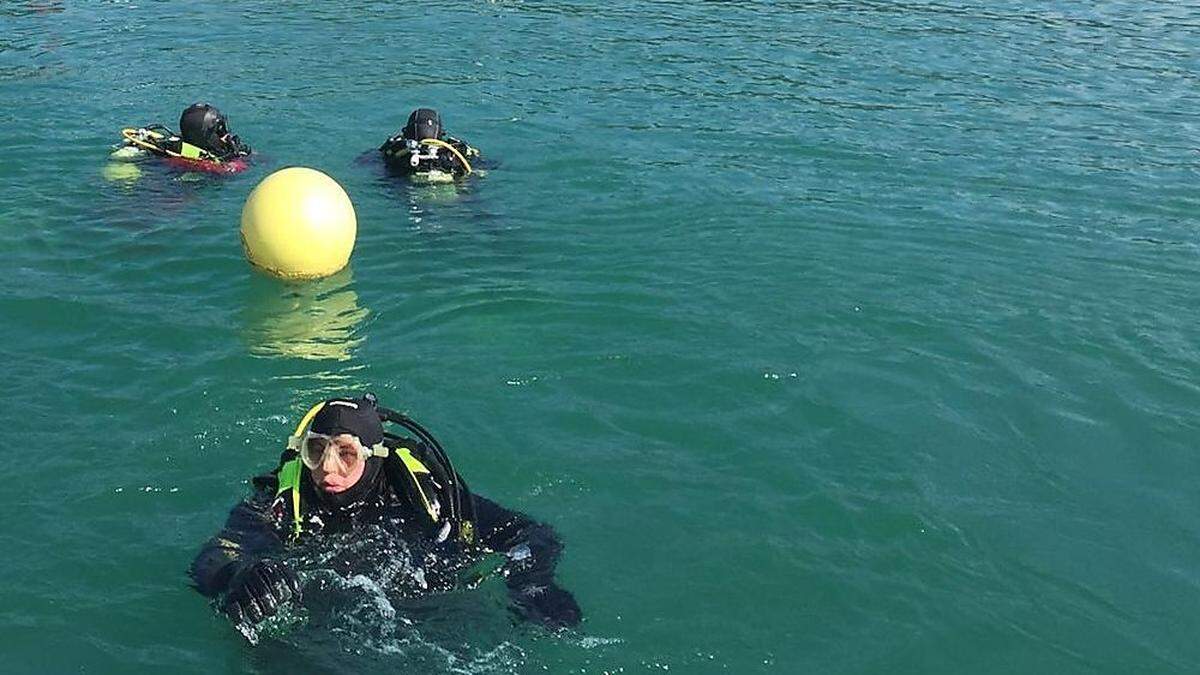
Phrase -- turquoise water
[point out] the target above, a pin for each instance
(851, 337)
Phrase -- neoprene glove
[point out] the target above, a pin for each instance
(259, 589)
(550, 605)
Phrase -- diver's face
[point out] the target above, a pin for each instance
(341, 465)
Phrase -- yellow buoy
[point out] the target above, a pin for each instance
(298, 223)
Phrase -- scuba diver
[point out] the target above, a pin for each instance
(424, 153)
(342, 474)
(204, 142)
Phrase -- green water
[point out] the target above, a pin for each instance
(833, 337)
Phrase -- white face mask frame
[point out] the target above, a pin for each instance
(303, 445)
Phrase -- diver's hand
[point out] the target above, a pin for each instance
(259, 589)
(550, 605)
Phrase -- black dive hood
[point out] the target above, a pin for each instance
(423, 123)
(203, 126)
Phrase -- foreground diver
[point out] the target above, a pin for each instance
(204, 142)
(342, 473)
(424, 153)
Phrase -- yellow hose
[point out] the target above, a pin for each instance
(131, 135)
(308, 416)
(451, 148)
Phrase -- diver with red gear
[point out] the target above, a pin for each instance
(204, 142)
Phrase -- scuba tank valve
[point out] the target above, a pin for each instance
(414, 152)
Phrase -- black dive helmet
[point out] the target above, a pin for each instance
(423, 123)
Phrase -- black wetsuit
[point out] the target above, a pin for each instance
(258, 527)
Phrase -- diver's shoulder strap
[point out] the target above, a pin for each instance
(426, 484)
(288, 475)
(409, 475)
(394, 145)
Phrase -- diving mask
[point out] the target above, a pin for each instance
(348, 452)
